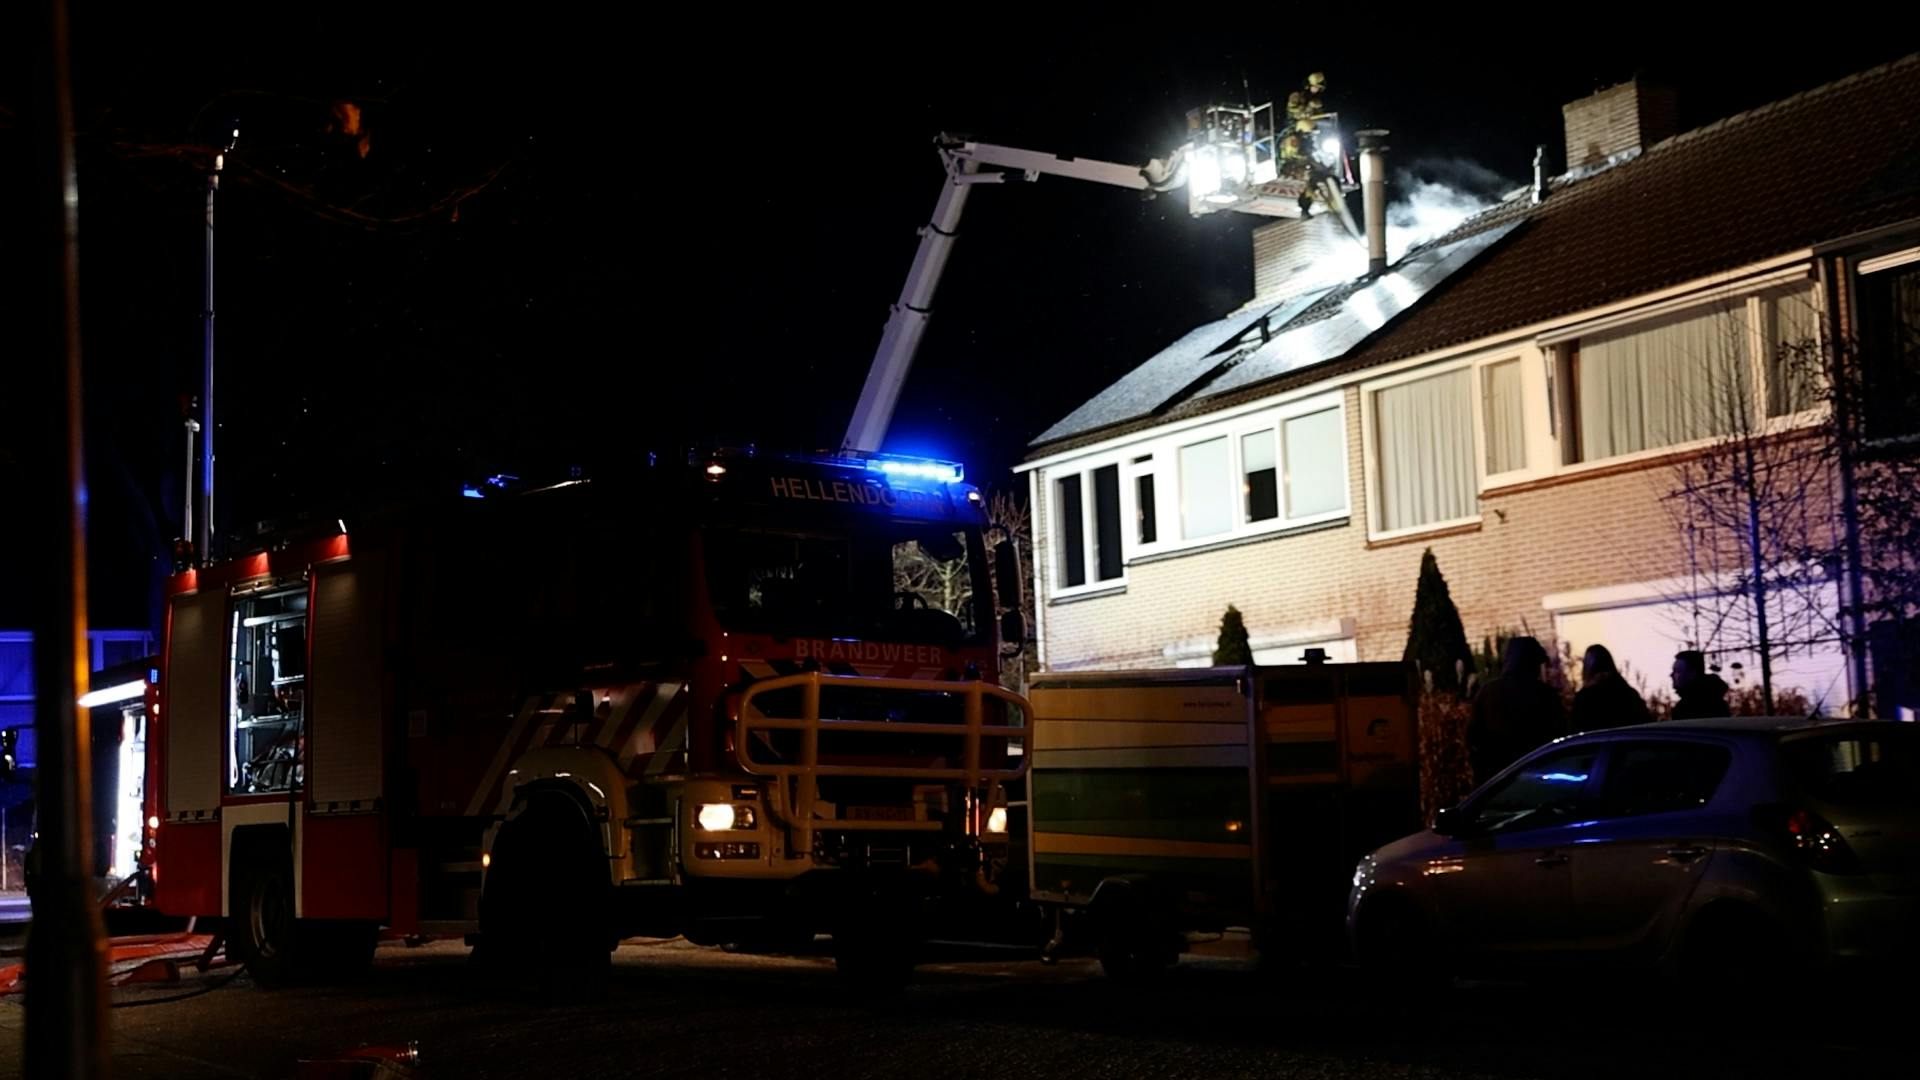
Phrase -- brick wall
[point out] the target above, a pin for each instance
(1290, 257)
(1618, 118)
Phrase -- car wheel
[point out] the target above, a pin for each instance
(1732, 952)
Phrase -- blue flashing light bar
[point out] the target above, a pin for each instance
(950, 472)
(498, 482)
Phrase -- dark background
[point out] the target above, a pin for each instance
(680, 229)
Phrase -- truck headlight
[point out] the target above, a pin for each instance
(997, 820)
(719, 817)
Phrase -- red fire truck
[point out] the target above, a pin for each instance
(749, 696)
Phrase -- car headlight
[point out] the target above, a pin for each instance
(719, 817)
(997, 820)
(1363, 872)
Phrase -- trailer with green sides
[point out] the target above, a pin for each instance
(1169, 802)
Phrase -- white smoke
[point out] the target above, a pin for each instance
(1425, 210)
(1429, 199)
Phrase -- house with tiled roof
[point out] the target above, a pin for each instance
(1513, 395)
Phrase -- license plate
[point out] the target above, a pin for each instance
(880, 813)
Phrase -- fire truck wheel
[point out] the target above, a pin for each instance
(547, 905)
(263, 930)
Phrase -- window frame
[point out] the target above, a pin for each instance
(1370, 437)
(1089, 524)
(1866, 267)
(1605, 809)
(1750, 295)
(1159, 457)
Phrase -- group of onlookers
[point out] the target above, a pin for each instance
(1517, 710)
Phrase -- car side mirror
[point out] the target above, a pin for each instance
(1013, 628)
(1449, 821)
(1007, 576)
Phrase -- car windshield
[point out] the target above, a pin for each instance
(895, 581)
(1858, 767)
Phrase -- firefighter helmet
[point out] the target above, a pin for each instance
(1317, 81)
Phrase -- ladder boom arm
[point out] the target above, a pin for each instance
(907, 324)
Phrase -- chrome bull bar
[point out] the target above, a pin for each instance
(800, 778)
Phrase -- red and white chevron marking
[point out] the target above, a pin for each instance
(644, 728)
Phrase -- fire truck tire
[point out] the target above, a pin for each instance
(263, 930)
(547, 906)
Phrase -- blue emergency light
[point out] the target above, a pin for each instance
(950, 472)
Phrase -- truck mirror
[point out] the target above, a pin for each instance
(1013, 628)
(1007, 576)
(9, 751)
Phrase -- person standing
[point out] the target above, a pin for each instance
(1702, 693)
(1605, 700)
(1514, 712)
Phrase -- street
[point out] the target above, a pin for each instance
(675, 1009)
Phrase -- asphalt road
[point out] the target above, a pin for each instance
(674, 1009)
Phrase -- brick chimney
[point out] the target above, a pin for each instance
(1630, 116)
(1292, 256)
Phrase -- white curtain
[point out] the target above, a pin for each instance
(1425, 436)
(1206, 489)
(1506, 436)
(1670, 382)
(1316, 449)
(1795, 371)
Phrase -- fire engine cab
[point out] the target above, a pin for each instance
(747, 697)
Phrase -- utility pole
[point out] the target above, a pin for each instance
(66, 1016)
(206, 355)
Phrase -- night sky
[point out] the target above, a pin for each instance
(669, 233)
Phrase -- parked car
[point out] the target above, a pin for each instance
(1724, 849)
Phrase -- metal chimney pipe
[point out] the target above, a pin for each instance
(1539, 174)
(1373, 187)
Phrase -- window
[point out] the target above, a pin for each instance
(1206, 498)
(1663, 383)
(1237, 477)
(1857, 769)
(1796, 372)
(895, 580)
(1087, 534)
(1548, 791)
(1145, 513)
(1660, 778)
(1501, 404)
(1260, 476)
(266, 702)
(1106, 521)
(1424, 436)
(1889, 313)
(1071, 531)
(1316, 446)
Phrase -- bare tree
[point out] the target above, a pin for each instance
(1755, 505)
